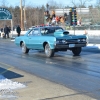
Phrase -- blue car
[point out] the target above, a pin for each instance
(51, 39)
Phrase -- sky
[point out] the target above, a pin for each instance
(44, 2)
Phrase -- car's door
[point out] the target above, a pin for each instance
(34, 39)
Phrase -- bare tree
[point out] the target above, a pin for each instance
(98, 3)
(81, 3)
(52, 4)
(4, 3)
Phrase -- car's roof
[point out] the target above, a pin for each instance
(52, 26)
(49, 27)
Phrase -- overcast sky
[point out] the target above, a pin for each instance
(44, 2)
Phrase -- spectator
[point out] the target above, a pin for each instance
(9, 29)
(6, 31)
(65, 17)
(79, 22)
(18, 30)
(53, 17)
(2, 33)
(46, 18)
(62, 19)
(1, 29)
(57, 20)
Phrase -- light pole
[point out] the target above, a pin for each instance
(47, 5)
(46, 14)
(24, 16)
(24, 19)
(21, 14)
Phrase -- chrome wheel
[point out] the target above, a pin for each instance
(48, 51)
(24, 48)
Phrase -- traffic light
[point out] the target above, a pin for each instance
(73, 16)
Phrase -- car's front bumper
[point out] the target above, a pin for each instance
(61, 46)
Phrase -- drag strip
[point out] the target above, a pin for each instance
(80, 73)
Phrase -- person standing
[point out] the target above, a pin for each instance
(2, 33)
(6, 31)
(18, 30)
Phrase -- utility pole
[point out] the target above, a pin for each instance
(21, 14)
(47, 5)
(24, 16)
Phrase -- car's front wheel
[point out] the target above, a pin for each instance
(76, 51)
(48, 51)
(24, 48)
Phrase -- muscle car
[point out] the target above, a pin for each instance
(51, 39)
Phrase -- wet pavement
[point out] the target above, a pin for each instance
(63, 77)
(41, 89)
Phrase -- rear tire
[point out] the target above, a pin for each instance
(76, 51)
(25, 50)
(48, 51)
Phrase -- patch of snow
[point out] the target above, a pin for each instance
(8, 84)
(94, 46)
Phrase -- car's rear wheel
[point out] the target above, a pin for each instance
(48, 51)
(76, 51)
(24, 48)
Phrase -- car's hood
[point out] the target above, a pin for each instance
(66, 35)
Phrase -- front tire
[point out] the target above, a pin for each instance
(76, 51)
(48, 51)
(25, 50)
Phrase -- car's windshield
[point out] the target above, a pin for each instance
(59, 29)
(28, 31)
(50, 30)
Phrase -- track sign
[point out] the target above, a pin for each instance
(5, 14)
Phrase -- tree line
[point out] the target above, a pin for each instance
(35, 15)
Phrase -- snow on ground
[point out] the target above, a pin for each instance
(93, 46)
(8, 84)
(7, 88)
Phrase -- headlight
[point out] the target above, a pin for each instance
(61, 41)
(64, 41)
(83, 40)
(78, 40)
(57, 41)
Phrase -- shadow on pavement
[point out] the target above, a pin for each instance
(9, 74)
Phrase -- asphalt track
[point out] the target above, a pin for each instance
(77, 73)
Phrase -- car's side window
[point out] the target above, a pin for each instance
(51, 31)
(35, 32)
(47, 31)
(43, 31)
(30, 33)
